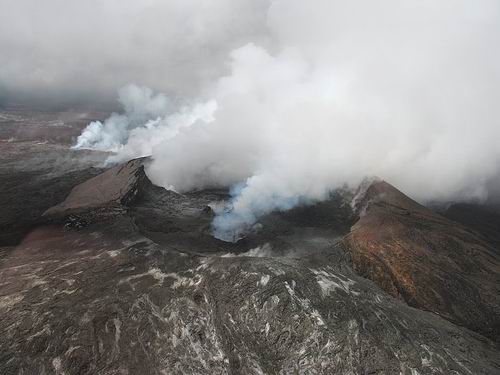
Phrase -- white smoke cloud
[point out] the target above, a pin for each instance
(60, 51)
(141, 108)
(333, 92)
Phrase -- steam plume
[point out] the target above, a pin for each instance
(333, 92)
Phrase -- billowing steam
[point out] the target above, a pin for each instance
(334, 91)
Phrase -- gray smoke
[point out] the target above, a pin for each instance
(316, 95)
(68, 52)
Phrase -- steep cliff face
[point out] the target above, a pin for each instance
(428, 261)
(107, 194)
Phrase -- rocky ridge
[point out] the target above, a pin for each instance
(428, 261)
(145, 288)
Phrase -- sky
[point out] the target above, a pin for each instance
(284, 100)
(79, 52)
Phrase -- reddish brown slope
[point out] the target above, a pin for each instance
(104, 195)
(427, 260)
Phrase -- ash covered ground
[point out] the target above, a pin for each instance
(102, 272)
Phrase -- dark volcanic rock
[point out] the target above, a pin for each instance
(184, 221)
(107, 194)
(23, 124)
(105, 300)
(35, 177)
(430, 262)
(136, 284)
(19, 216)
(483, 218)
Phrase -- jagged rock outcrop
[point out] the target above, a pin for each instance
(428, 261)
(105, 195)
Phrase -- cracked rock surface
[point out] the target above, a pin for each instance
(88, 301)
